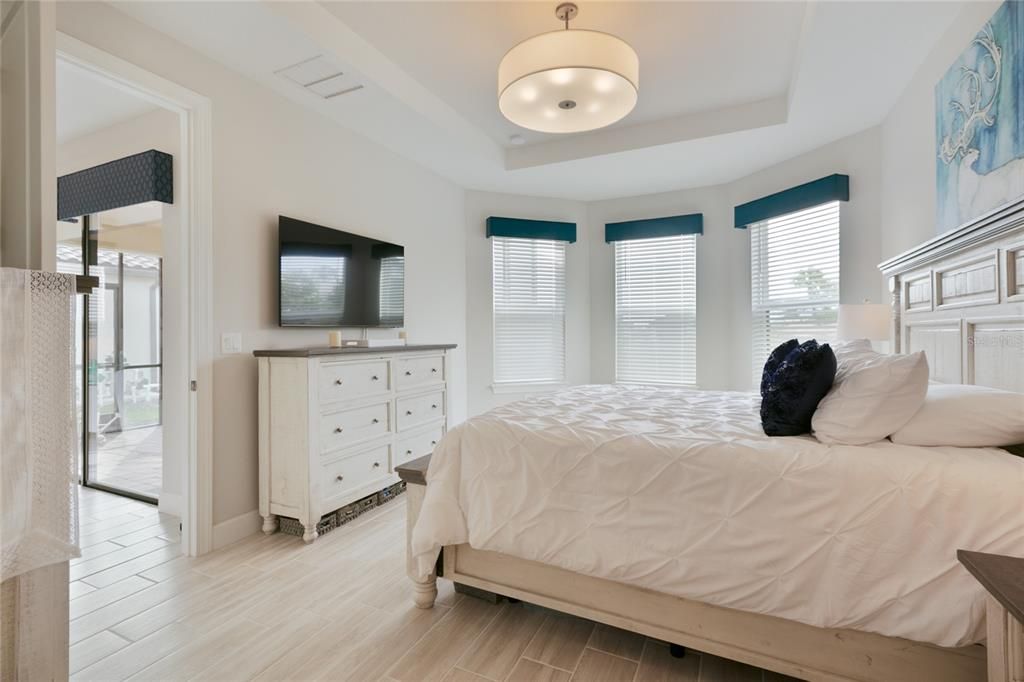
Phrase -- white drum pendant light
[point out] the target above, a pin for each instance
(568, 81)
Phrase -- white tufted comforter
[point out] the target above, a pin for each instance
(681, 492)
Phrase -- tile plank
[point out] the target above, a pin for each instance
(92, 649)
(202, 652)
(494, 655)
(106, 595)
(255, 656)
(560, 641)
(434, 655)
(138, 655)
(134, 566)
(78, 588)
(597, 666)
(460, 675)
(618, 642)
(532, 671)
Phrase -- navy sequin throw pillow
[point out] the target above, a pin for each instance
(795, 379)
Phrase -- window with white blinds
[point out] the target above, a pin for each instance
(392, 290)
(529, 310)
(794, 279)
(656, 310)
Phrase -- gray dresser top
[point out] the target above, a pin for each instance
(348, 350)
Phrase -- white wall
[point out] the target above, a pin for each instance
(908, 140)
(157, 129)
(479, 319)
(272, 157)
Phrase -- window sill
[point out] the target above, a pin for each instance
(657, 384)
(541, 387)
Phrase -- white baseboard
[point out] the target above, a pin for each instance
(172, 504)
(233, 530)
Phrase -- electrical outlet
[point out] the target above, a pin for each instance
(230, 343)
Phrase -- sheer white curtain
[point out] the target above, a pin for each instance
(38, 494)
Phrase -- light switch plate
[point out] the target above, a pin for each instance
(230, 343)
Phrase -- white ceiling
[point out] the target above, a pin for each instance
(86, 104)
(694, 56)
(726, 88)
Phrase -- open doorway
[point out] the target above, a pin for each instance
(155, 388)
(119, 239)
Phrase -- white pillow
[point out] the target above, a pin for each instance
(966, 416)
(873, 395)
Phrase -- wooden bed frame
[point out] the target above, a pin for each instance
(960, 298)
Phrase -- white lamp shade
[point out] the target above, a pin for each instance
(864, 321)
(568, 81)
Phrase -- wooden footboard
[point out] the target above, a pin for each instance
(776, 644)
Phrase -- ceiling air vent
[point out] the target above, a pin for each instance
(320, 77)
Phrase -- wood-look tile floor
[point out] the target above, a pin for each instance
(271, 608)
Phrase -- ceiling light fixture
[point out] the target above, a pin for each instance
(568, 81)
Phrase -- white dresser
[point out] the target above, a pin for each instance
(335, 422)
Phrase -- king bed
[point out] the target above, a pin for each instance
(670, 513)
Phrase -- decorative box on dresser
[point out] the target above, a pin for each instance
(335, 422)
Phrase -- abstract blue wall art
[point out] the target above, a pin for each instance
(979, 122)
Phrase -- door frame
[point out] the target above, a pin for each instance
(195, 191)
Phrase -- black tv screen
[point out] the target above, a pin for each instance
(330, 278)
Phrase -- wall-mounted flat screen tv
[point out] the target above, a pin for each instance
(330, 278)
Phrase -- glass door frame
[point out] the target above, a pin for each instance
(90, 257)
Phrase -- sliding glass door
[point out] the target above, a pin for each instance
(119, 353)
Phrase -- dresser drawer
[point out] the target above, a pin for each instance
(419, 445)
(345, 427)
(349, 473)
(415, 410)
(348, 380)
(418, 372)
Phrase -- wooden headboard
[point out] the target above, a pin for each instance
(960, 298)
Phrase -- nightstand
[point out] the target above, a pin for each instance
(1003, 577)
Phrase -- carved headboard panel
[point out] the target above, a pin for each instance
(960, 298)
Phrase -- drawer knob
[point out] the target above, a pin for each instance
(339, 477)
(408, 372)
(433, 370)
(433, 442)
(408, 413)
(375, 378)
(433, 407)
(375, 420)
(408, 452)
(337, 382)
(338, 429)
(376, 464)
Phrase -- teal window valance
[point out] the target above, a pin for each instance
(650, 228)
(823, 190)
(521, 228)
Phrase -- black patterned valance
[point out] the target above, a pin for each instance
(132, 180)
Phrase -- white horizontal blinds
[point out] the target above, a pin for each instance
(529, 310)
(392, 290)
(656, 310)
(794, 262)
